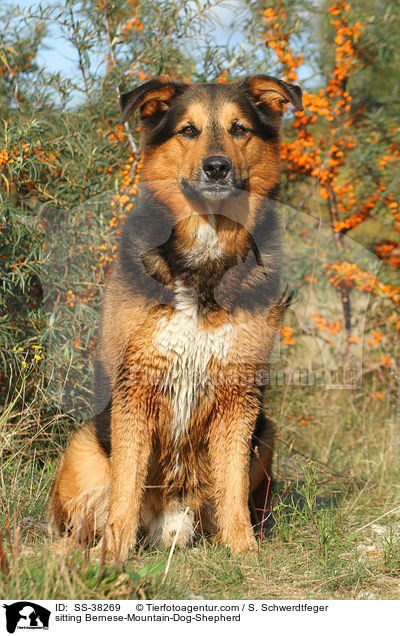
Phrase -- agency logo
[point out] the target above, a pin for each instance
(26, 615)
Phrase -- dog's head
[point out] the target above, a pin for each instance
(209, 142)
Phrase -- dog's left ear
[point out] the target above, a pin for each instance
(153, 97)
(274, 92)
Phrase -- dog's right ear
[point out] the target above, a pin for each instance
(152, 97)
(274, 92)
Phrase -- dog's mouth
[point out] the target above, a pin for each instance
(211, 190)
(216, 190)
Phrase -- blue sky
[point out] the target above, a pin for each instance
(60, 55)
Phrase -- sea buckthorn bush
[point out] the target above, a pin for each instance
(70, 172)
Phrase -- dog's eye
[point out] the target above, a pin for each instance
(238, 130)
(188, 131)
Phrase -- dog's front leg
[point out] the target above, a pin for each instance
(229, 436)
(130, 450)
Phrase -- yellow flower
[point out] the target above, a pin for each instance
(38, 357)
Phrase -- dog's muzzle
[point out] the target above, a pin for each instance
(216, 180)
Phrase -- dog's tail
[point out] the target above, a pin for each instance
(277, 310)
(287, 299)
(80, 495)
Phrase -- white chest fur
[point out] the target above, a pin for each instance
(188, 348)
(206, 243)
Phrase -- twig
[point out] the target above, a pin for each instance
(171, 552)
(78, 45)
(344, 293)
(112, 57)
(3, 560)
(377, 519)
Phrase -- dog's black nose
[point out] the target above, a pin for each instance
(217, 167)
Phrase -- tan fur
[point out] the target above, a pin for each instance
(184, 375)
(84, 463)
(254, 158)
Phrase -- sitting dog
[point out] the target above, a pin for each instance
(179, 441)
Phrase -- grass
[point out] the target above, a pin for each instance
(332, 530)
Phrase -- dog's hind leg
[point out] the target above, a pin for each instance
(80, 495)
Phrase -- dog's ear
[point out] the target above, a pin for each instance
(152, 97)
(274, 92)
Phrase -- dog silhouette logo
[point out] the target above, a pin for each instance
(26, 615)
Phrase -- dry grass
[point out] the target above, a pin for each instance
(332, 526)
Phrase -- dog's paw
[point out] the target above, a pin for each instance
(240, 540)
(246, 545)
